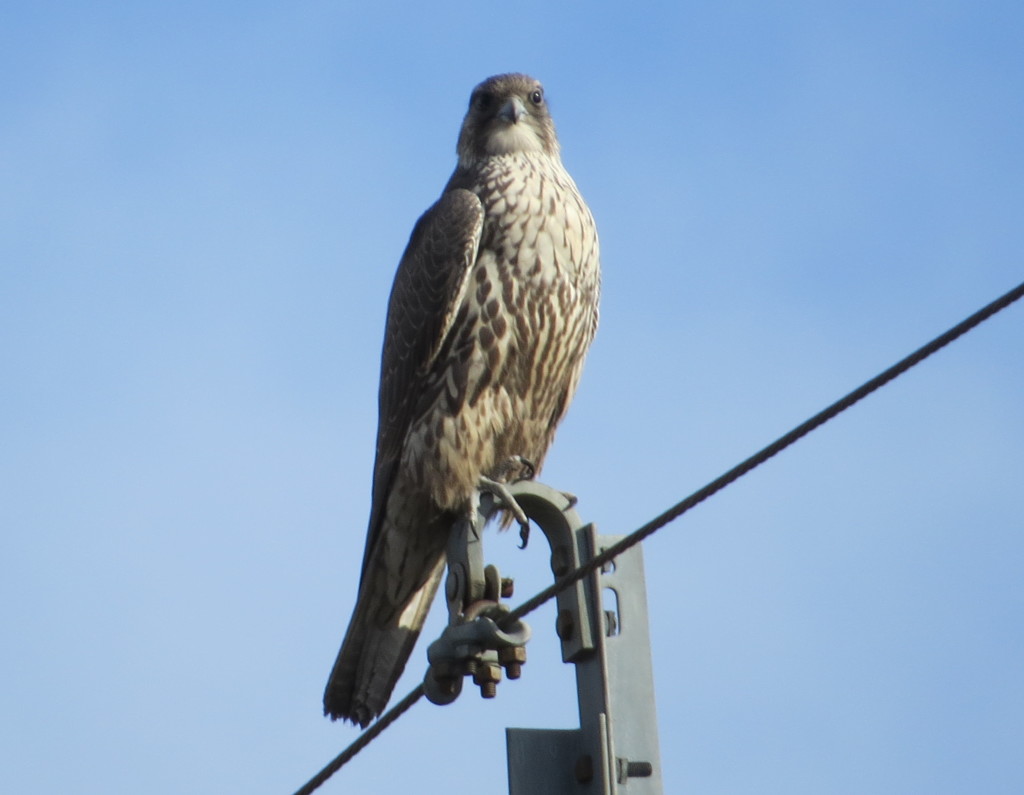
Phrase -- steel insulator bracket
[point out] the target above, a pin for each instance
(473, 644)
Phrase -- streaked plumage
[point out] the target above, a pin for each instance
(493, 308)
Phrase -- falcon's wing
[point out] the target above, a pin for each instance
(429, 286)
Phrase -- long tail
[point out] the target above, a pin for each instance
(375, 651)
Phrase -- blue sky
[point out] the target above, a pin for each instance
(202, 209)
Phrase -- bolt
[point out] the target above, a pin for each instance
(487, 677)
(559, 561)
(639, 769)
(628, 769)
(508, 587)
(445, 676)
(513, 657)
(443, 669)
(565, 626)
(448, 685)
(584, 768)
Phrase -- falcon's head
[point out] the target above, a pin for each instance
(507, 113)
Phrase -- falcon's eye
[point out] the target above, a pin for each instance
(483, 101)
(537, 97)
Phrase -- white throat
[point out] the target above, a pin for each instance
(513, 138)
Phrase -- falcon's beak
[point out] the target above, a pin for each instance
(512, 111)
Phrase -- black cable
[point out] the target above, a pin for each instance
(362, 741)
(677, 510)
(763, 455)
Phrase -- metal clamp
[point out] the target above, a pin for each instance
(476, 647)
(472, 644)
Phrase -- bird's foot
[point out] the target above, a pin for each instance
(508, 502)
(514, 469)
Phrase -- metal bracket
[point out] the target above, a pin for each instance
(615, 750)
(606, 639)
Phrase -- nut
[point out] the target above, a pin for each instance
(512, 658)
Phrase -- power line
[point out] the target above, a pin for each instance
(677, 510)
(362, 741)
